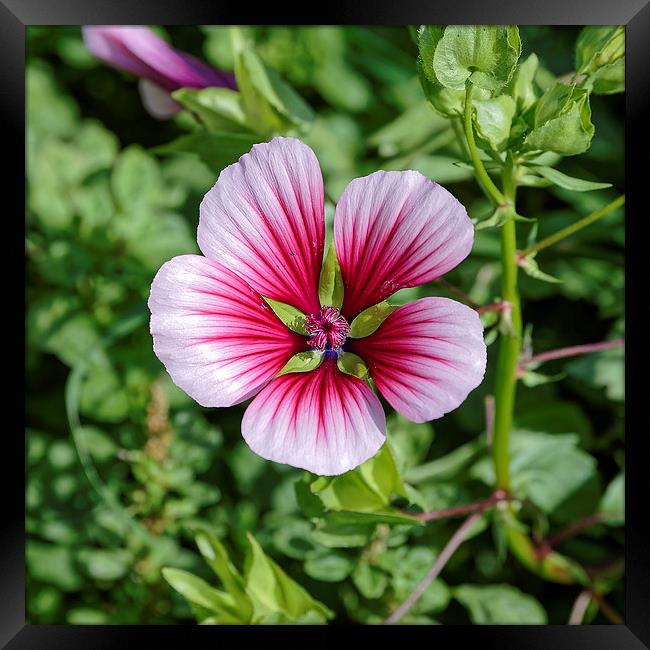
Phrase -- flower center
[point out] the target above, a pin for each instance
(328, 329)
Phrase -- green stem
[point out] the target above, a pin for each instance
(509, 345)
(573, 228)
(486, 183)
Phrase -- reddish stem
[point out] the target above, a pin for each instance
(572, 351)
(452, 545)
(476, 506)
(547, 545)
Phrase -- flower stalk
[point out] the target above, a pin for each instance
(510, 345)
(573, 228)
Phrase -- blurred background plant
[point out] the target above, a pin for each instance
(127, 475)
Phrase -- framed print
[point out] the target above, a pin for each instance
(325, 324)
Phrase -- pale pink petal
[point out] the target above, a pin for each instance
(157, 100)
(426, 357)
(394, 230)
(219, 341)
(264, 219)
(323, 421)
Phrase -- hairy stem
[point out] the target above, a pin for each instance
(573, 228)
(509, 345)
(452, 545)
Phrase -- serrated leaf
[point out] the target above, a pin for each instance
(569, 182)
(369, 320)
(293, 318)
(352, 364)
(302, 362)
(330, 283)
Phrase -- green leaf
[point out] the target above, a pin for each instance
(302, 362)
(447, 467)
(529, 266)
(216, 149)
(604, 370)
(523, 83)
(369, 580)
(274, 592)
(493, 118)
(215, 554)
(599, 46)
(218, 108)
(562, 121)
(293, 318)
(369, 320)
(366, 489)
(199, 592)
(607, 80)
(408, 565)
(330, 283)
(328, 566)
(486, 55)
(104, 564)
(499, 605)
(500, 216)
(546, 468)
(612, 505)
(53, 565)
(569, 182)
(271, 105)
(352, 364)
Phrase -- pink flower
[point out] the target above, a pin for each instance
(161, 68)
(262, 232)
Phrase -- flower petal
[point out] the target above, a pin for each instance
(218, 339)
(264, 219)
(157, 100)
(324, 421)
(138, 50)
(426, 357)
(394, 230)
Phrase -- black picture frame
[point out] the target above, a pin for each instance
(15, 15)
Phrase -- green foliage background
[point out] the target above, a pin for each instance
(147, 468)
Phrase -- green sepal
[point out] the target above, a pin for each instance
(302, 362)
(330, 283)
(562, 121)
(352, 364)
(292, 317)
(369, 320)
